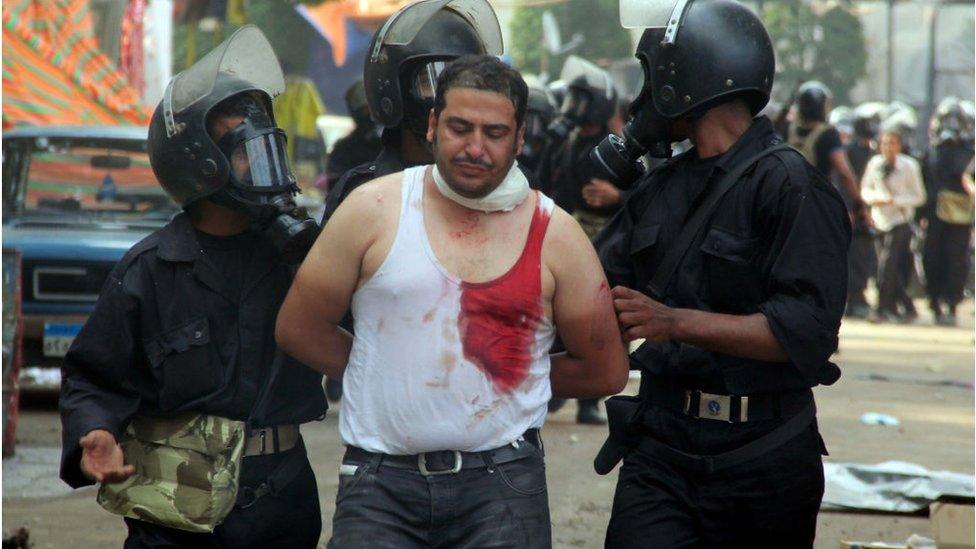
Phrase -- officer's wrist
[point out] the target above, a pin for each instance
(681, 322)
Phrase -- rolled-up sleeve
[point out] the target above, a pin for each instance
(96, 387)
(807, 281)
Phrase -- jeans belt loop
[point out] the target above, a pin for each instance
(422, 465)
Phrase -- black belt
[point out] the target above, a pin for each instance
(699, 404)
(284, 474)
(452, 461)
(752, 450)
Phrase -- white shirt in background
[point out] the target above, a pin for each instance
(903, 186)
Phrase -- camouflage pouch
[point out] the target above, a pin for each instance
(954, 208)
(187, 471)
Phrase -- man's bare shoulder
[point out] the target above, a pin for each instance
(377, 198)
(565, 242)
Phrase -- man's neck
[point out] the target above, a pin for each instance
(214, 219)
(719, 129)
(451, 209)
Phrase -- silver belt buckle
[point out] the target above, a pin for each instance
(422, 465)
(714, 406)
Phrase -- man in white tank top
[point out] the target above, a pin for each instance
(458, 278)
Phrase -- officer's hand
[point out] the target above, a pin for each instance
(600, 193)
(102, 459)
(640, 317)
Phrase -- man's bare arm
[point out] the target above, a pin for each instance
(595, 362)
(746, 336)
(308, 322)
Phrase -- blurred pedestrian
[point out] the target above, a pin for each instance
(863, 256)
(893, 187)
(946, 255)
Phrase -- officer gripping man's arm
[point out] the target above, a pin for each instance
(731, 261)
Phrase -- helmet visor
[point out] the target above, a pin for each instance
(646, 14)
(246, 55)
(425, 80)
(259, 162)
(402, 27)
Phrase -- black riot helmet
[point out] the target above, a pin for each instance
(246, 169)
(951, 122)
(695, 54)
(409, 51)
(540, 109)
(812, 101)
(590, 97)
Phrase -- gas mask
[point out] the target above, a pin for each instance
(247, 170)
(618, 157)
(694, 55)
(572, 113)
(260, 184)
(590, 98)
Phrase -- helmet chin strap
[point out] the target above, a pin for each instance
(504, 198)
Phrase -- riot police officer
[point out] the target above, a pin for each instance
(583, 121)
(362, 144)
(949, 214)
(400, 76)
(540, 110)
(821, 144)
(175, 396)
(730, 260)
(863, 255)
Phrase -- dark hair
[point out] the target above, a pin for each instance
(483, 72)
(247, 105)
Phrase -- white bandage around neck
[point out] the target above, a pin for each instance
(505, 198)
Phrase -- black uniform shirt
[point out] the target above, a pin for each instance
(359, 147)
(386, 163)
(777, 244)
(169, 335)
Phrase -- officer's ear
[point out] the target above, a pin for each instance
(431, 125)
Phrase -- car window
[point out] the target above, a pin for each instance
(89, 180)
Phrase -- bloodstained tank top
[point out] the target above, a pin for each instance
(442, 364)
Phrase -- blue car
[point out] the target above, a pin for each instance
(75, 199)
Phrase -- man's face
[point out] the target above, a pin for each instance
(475, 140)
(239, 164)
(890, 146)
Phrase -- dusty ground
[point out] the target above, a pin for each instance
(936, 431)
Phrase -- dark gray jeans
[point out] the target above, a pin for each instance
(380, 506)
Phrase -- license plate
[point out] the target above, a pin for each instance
(58, 337)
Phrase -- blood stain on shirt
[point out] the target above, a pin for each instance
(498, 319)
